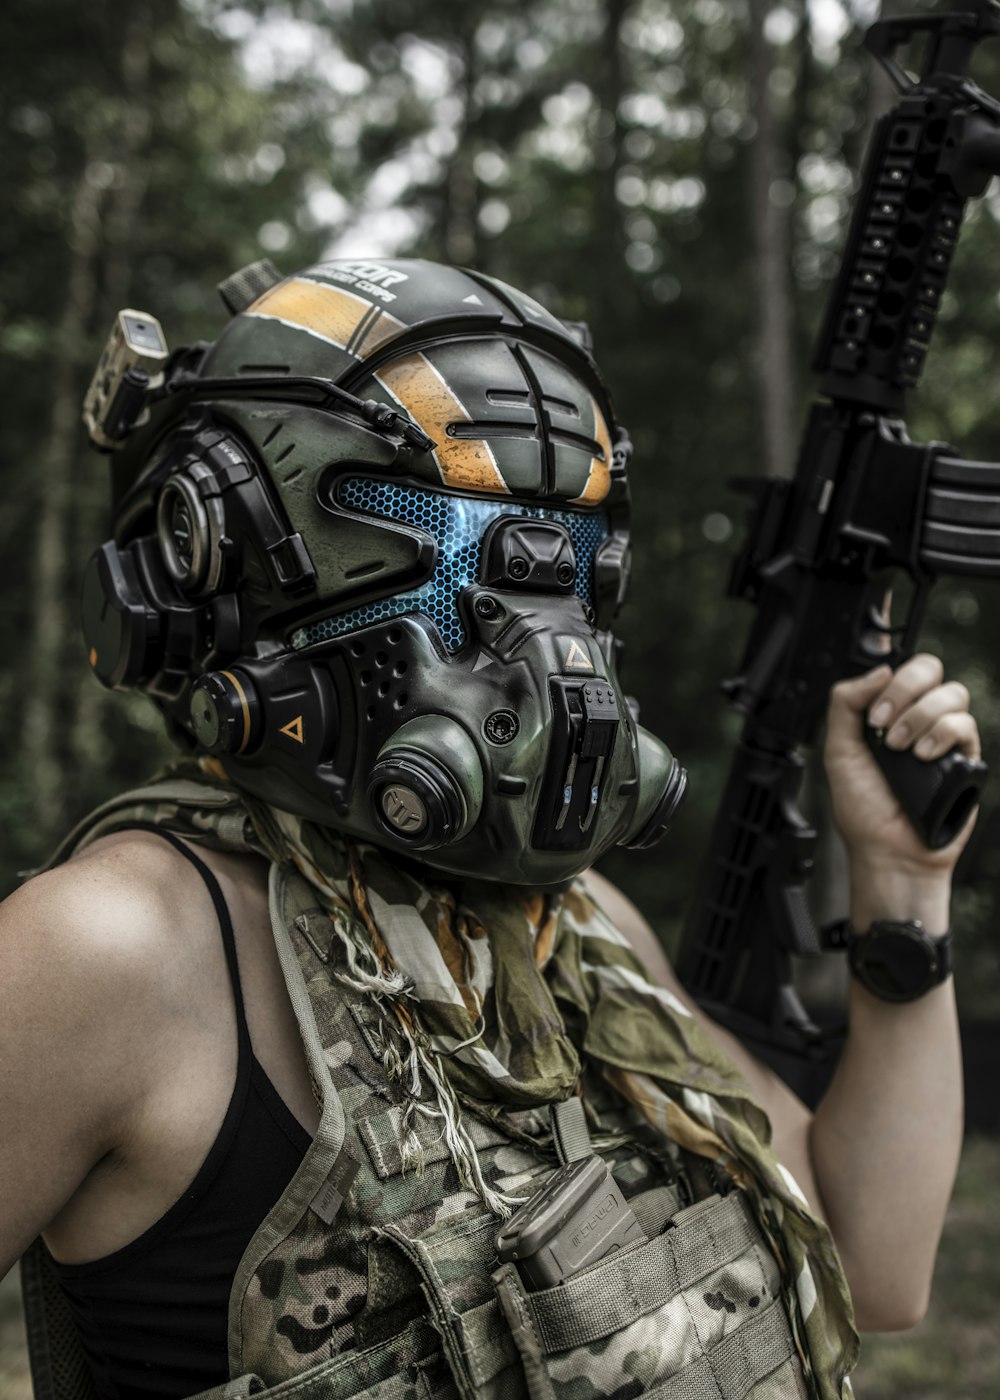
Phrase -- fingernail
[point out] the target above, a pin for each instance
(925, 748)
(881, 714)
(898, 736)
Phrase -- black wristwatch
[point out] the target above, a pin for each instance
(895, 961)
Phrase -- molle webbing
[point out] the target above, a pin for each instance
(330, 1301)
(405, 1247)
(575, 1316)
(727, 1371)
(59, 1368)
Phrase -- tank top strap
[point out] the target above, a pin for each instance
(152, 1317)
(225, 927)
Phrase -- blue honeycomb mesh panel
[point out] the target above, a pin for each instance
(458, 524)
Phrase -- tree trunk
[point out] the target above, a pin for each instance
(798, 125)
(92, 701)
(133, 130)
(770, 241)
(609, 227)
(612, 309)
(461, 191)
(51, 632)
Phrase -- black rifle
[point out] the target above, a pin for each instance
(865, 503)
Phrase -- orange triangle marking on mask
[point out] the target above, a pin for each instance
(294, 729)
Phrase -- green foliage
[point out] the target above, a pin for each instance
(193, 165)
(596, 152)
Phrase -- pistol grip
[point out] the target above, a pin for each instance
(936, 795)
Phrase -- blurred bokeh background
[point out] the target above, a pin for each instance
(676, 172)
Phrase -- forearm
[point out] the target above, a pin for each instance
(886, 1137)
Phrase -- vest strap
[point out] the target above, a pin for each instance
(525, 1337)
(108, 817)
(59, 1369)
(326, 1172)
(241, 1388)
(569, 1130)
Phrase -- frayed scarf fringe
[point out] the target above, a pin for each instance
(386, 990)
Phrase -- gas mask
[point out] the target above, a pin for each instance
(369, 547)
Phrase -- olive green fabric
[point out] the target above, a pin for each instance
(484, 1002)
(379, 1275)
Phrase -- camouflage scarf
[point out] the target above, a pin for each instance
(490, 995)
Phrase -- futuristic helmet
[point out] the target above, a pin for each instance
(368, 550)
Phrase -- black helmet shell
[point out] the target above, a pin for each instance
(508, 394)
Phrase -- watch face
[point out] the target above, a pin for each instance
(896, 964)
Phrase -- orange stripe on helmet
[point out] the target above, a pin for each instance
(466, 464)
(329, 313)
(599, 476)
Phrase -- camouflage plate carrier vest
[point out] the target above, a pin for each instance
(368, 1281)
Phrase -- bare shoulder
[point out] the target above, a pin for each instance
(74, 932)
(87, 980)
(108, 942)
(126, 869)
(790, 1119)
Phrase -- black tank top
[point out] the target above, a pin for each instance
(153, 1315)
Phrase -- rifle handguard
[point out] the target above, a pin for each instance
(937, 795)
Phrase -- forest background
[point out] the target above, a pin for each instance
(676, 172)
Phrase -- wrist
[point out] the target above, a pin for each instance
(893, 960)
(900, 892)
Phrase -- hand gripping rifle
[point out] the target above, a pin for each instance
(865, 502)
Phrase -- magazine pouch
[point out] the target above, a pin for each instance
(694, 1313)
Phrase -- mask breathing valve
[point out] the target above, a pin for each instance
(426, 787)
